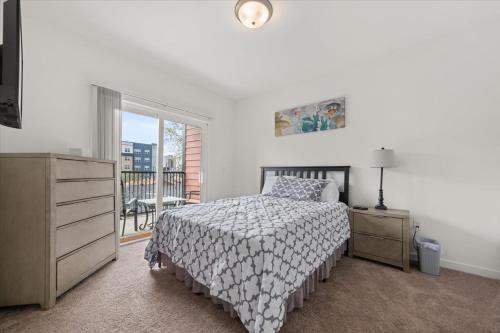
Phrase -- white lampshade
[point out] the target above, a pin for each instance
(383, 158)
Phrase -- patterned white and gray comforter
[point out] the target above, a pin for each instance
(251, 251)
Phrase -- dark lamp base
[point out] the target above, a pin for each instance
(381, 207)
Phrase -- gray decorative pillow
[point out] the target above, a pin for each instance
(298, 188)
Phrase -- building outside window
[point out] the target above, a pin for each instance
(127, 147)
(139, 156)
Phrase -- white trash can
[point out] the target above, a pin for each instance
(429, 253)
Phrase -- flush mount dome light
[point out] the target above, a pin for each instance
(253, 13)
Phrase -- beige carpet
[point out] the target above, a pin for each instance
(126, 296)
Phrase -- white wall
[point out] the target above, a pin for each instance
(58, 71)
(437, 105)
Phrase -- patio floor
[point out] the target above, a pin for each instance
(129, 226)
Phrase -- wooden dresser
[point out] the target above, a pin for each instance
(58, 224)
(381, 235)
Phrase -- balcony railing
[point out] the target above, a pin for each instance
(142, 184)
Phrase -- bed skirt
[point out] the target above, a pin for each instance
(294, 301)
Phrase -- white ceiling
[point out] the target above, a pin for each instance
(203, 43)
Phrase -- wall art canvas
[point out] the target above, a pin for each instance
(316, 117)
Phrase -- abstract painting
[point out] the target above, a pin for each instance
(322, 116)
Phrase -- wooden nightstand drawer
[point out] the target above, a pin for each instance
(381, 235)
(378, 225)
(379, 247)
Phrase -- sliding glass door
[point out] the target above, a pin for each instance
(158, 147)
(138, 162)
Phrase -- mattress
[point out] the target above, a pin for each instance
(252, 252)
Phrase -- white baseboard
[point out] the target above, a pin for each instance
(472, 269)
(459, 266)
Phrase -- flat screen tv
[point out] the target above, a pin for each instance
(11, 66)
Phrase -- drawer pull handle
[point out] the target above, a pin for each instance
(374, 236)
(377, 237)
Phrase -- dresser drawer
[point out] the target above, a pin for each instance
(70, 191)
(80, 264)
(378, 225)
(377, 246)
(75, 235)
(83, 210)
(73, 169)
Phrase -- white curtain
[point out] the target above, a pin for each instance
(108, 105)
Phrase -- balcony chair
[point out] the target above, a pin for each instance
(127, 208)
(189, 197)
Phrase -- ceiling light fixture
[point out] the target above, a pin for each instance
(253, 14)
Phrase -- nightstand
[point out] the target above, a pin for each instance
(381, 235)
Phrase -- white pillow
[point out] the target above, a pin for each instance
(331, 192)
(269, 182)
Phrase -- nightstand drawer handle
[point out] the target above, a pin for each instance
(377, 237)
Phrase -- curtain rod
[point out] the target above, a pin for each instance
(156, 102)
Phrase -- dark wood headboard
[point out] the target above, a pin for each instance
(339, 173)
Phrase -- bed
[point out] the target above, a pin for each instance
(259, 256)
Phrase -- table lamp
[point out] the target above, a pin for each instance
(382, 158)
